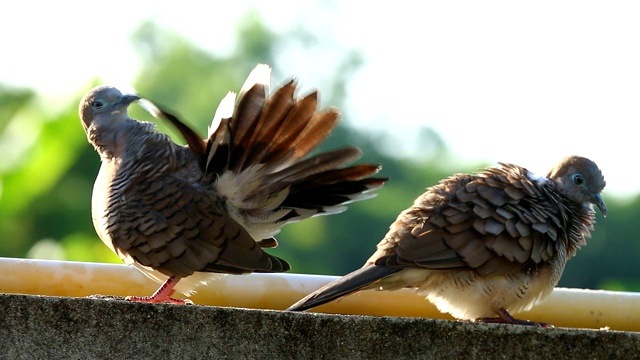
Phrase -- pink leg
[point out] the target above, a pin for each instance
(162, 295)
(505, 318)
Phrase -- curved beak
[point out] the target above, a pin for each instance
(597, 199)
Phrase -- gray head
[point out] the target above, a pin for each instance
(580, 180)
(104, 105)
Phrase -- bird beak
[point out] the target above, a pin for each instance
(597, 199)
(127, 99)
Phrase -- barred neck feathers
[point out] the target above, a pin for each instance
(132, 140)
(578, 181)
(151, 154)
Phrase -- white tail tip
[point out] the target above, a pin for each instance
(260, 75)
(224, 110)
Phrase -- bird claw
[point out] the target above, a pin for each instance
(162, 295)
(505, 318)
(515, 322)
(158, 299)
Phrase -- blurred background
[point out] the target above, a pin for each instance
(426, 89)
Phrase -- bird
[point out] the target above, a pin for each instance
(186, 215)
(483, 246)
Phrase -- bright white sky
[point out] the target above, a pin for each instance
(511, 81)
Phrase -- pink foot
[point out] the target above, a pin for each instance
(162, 295)
(505, 318)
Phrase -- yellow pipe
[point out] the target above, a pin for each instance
(564, 308)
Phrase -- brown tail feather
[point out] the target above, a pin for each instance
(353, 173)
(244, 122)
(273, 131)
(281, 147)
(331, 192)
(343, 286)
(268, 243)
(288, 151)
(295, 121)
(316, 132)
(218, 149)
(249, 109)
(275, 111)
(313, 165)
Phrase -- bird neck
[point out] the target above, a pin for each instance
(578, 219)
(126, 139)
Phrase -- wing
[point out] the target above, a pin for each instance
(177, 229)
(496, 222)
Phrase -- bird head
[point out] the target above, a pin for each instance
(580, 180)
(104, 105)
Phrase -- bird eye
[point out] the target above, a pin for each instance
(577, 179)
(97, 104)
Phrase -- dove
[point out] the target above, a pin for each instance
(184, 215)
(483, 246)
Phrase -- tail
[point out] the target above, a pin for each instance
(256, 158)
(345, 285)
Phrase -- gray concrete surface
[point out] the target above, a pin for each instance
(39, 327)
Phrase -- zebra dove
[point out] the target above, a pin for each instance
(182, 214)
(483, 245)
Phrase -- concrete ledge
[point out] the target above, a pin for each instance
(42, 327)
(569, 308)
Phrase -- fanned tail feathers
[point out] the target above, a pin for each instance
(256, 157)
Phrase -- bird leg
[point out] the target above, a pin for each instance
(505, 318)
(162, 295)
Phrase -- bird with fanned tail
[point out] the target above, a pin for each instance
(185, 214)
(483, 245)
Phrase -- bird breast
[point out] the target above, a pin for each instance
(467, 295)
(100, 201)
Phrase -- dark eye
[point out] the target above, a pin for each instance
(97, 104)
(577, 179)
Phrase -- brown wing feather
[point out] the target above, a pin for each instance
(177, 230)
(494, 223)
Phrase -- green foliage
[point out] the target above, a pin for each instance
(610, 258)
(11, 101)
(47, 187)
(48, 169)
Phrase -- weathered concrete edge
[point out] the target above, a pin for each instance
(71, 328)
